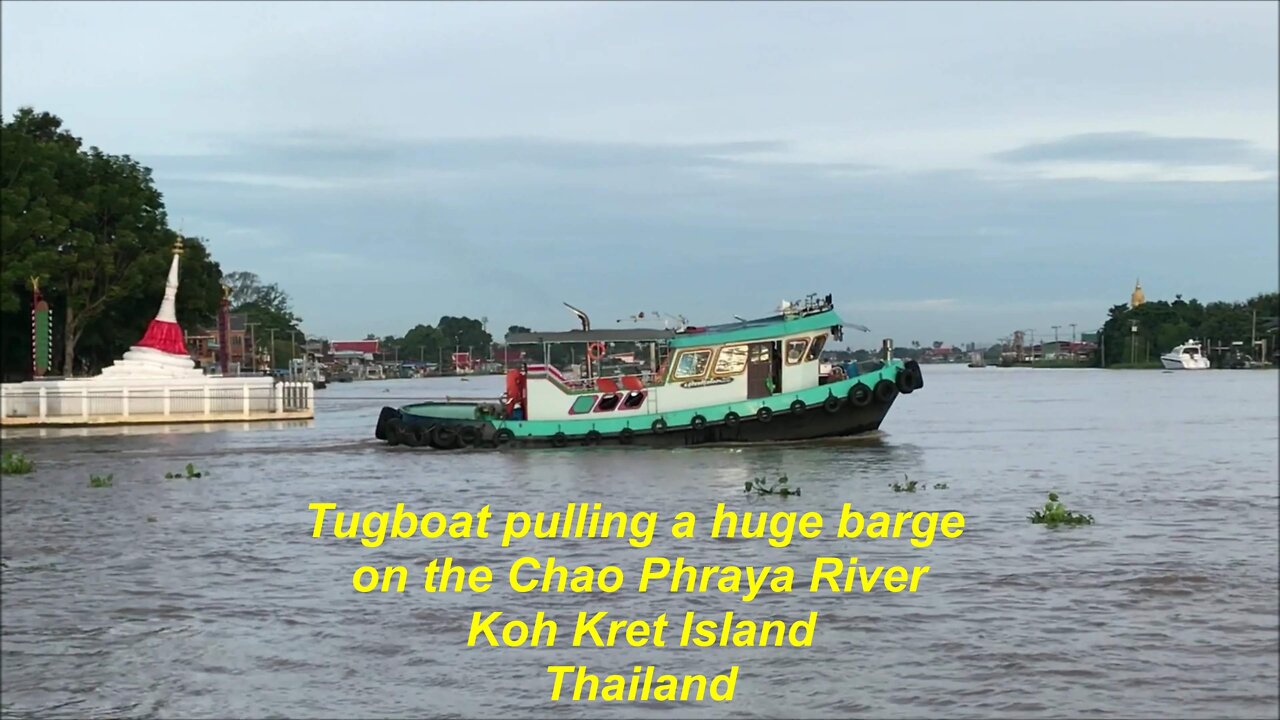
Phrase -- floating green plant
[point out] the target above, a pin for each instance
(1055, 513)
(761, 487)
(907, 485)
(12, 463)
(100, 481)
(941, 486)
(191, 473)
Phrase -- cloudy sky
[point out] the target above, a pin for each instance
(949, 171)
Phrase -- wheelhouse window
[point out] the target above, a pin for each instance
(692, 364)
(795, 350)
(608, 402)
(583, 404)
(731, 360)
(815, 350)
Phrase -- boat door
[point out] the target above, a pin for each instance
(760, 358)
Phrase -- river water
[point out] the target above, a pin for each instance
(210, 598)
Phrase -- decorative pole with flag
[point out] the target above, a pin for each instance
(41, 332)
(224, 331)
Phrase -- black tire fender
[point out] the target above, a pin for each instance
(559, 440)
(831, 404)
(421, 436)
(468, 435)
(444, 437)
(697, 422)
(591, 438)
(798, 407)
(886, 391)
(764, 414)
(906, 381)
(626, 436)
(393, 429)
(859, 395)
(659, 426)
(731, 419)
(503, 436)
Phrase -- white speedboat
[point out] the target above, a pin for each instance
(1186, 356)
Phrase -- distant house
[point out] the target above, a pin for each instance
(203, 345)
(369, 347)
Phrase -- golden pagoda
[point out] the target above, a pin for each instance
(1137, 298)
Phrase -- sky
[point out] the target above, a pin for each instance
(949, 171)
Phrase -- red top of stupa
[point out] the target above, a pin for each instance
(164, 333)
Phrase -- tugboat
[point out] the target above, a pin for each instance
(748, 381)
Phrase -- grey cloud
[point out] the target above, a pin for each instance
(1143, 147)
(355, 157)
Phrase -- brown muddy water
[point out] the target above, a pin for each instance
(210, 598)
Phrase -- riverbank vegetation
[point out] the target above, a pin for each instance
(1162, 325)
(92, 228)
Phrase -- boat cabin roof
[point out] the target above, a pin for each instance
(758, 329)
(589, 336)
(809, 316)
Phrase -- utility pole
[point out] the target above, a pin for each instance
(1102, 348)
(1055, 332)
(1253, 336)
(253, 344)
(293, 342)
(1073, 333)
(271, 353)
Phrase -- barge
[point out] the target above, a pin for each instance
(749, 381)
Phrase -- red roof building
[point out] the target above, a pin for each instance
(364, 346)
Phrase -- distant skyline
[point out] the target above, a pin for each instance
(949, 171)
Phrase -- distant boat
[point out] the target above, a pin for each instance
(1186, 356)
(976, 360)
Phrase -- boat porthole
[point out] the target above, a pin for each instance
(831, 404)
(797, 406)
(859, 395)
(503, 436)
(591, 438)
(731, 419)
(626, 436)
(697, 422)
(885, 391)
(559, 440)
(764, 414)
(393, 431)
(659, 426)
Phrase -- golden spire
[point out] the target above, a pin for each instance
(1138, 297)
(177, 246)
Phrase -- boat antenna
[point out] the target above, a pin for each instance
(586, 321)
(739, 318)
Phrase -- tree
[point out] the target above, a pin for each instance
(87, 223)
(248, 289)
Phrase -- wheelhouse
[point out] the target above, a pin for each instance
(582, 374)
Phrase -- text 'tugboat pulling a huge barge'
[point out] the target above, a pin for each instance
(749, 381)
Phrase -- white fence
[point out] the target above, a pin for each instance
(67, 401)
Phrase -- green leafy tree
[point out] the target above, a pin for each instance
(90, 225)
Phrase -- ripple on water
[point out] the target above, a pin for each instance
(209, 598)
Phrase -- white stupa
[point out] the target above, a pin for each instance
(155, 382)
(162, 351)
